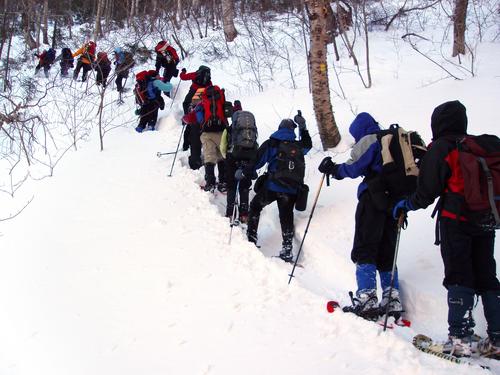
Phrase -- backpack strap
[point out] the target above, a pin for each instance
(491, 195)
(435, 211)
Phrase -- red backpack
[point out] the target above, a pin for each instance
(213, 100)
(142, 92)
(479, 160)
(91, 47)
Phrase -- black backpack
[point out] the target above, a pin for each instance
(202, 76)
(402, 152)
(50, 56)
(66, 54)
(243, 144)
(290, 165)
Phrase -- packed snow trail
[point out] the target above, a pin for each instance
(118, 269)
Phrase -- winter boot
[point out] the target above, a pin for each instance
(491, 304)
(253, 224)
(395, 308)
(489, 347)
(222, 187)
(460, 304)
(252, 236)
(365, 304)
(221, 168)
(458, 347)
(287, 246)
(244, 213)
(209, 177)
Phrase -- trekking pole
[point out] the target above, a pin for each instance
(175, 94)
(177, 150)
(401, 220)
(235, 211)
(160, 154)
(307, 226)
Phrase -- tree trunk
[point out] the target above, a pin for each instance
(228, 20)
(459, 22)
(180, 9)
(54, 35)
(327, 127)
(45, 21)
(98, 27)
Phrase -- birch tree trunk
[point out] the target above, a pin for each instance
(180, 14)
(327, 127)
(459, 22)
(228, 20)
(98, 27)
(45, 21)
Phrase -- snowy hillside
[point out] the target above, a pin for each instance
(116, 268)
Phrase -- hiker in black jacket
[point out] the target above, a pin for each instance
(467, 248)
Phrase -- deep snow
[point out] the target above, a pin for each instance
(115, 268)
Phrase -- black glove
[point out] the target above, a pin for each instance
(328, 166)
(183, 70)
(301, 121)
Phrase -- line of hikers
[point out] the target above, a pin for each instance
(400, 174)
(88, 61)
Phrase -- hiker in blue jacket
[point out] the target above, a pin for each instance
(375, 229)
(271, 189)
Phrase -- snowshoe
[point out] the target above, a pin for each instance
(364, 305)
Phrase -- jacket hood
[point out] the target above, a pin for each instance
(449, 118)
(362, 125)
(284, 134)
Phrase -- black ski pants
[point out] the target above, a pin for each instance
(264, 197)
(374, 236)
(468, 256)
(169, 71)
(120, 76)
(80, 65)
(149, 114)
(45, 67)
(194, 134)
(188, 99)
(244, 187)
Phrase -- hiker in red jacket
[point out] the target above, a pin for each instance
(200, 78)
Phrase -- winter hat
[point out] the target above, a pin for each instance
(287, 124)
(449, 118)
(237, 106)
(118, 50)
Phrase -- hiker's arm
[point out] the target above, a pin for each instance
(187, 76)
(78, 52)
(163, 86)
(158, 63)
(363, 155)
(263, 155)
(305, 138)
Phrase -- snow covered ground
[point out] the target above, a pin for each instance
(115, 268)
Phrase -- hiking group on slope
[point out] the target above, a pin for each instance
(400, 174)
(222, 137)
